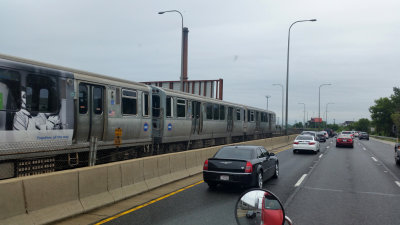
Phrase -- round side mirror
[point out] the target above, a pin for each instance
(259, 206)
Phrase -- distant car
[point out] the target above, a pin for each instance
(306, 143)
(397, 153)
(363, 135)
(312, 133)
(242, 164)
(351, 133)
(321, 137)
(326, 134)
(356, 134)
(344, 140)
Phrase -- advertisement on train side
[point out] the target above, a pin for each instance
(36, 106)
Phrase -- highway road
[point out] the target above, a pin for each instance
(339, 186)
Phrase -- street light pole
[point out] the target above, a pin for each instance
(304, 117)
(181, 78)
(267, 96)
(326, 111)
(282, 102)
(319, 103)
(287, 73)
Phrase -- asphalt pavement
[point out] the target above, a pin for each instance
(200, 205)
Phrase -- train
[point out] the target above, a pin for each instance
(54, 118)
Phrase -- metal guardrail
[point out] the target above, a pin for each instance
(391, 138)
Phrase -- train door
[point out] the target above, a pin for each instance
(157, 116)
(90, 117)
(197, 119)
(230, 120)
(257, 121)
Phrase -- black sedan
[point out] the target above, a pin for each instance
(242, 165)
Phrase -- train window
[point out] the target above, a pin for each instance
(222, 112)
(238, 114)
(145, 104)
(10, 90)
(266, 117)
(41, 94)
(181, 107)
(248, 115)
(252, 116)
(209, 111)
(83, 99)
(169, 106)
(216, 111)
(129, 102)
(155, 105)
(97, 100)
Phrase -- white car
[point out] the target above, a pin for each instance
(306, 143)
(326, 134)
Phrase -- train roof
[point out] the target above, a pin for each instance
(67, 69)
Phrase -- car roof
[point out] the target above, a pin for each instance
(242, 147)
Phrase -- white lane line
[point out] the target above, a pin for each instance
(300, 180)
(364, 149)
(373, 158)
(398, 183)
(327, 146)
(320, 156)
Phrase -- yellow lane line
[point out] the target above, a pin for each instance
(286, 148)
(147, 203)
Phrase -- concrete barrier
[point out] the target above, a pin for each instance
(93, 187)
(12, 203)
(114, 181)
(133, 177)
(51, 197)
(194, 164)
(150, 171)
(164, 169)
(178, 165)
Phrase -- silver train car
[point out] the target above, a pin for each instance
(49, 114)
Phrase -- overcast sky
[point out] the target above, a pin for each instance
(354, 45)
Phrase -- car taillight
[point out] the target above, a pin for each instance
(350, 140)
(249, 167)
(205, 167)
(296, 143)
(339, 140)
(311, 143)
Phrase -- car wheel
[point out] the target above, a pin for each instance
(276, 170)
(294, 151)
(352, 146)
(260, 180)
(367, 139)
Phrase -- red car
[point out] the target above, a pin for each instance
(345, 140)
(271, 212)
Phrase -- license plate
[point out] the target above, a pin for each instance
(344, 140)
(224, 177)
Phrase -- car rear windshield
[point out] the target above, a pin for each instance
(235, 153)
(346, 132)
(304, 138)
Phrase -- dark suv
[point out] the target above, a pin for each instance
(363, 135)
(397, 153)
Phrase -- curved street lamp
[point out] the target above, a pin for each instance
(287, 71)
(181, 78)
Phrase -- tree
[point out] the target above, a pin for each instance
(363, 124)
(380, 114)
(395, 97)
(396, 120)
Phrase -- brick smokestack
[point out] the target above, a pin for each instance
(185, 34)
